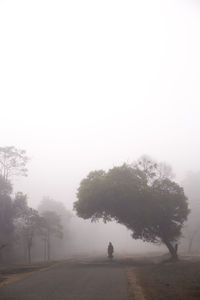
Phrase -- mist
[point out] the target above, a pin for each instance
(88, 86)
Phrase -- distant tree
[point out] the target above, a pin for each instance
(6, 214)
(191, 234)
(192, 228)
(153, 207)
(51, 227)
(49, 204)
(27, 222)
(12, 162)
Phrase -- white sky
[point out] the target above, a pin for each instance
(90, 84)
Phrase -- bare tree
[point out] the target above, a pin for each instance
(12, 162)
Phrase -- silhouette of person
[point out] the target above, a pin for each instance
(110, 250)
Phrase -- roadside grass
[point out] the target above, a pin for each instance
(174, 281)
(9, 273)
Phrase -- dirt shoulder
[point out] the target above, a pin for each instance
(174, 281)
(135, 290)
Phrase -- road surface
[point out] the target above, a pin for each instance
(72, 281)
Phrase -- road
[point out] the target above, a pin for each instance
(72, 281)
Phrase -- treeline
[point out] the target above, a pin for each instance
(25, 231)
(52, 232)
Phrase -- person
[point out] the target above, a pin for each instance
(110, 250)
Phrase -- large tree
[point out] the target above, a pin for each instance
(140, 196)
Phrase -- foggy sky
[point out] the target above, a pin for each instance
(88, 85)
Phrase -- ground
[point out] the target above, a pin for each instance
(136, 278)
(180, 281)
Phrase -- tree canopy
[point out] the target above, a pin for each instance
(140, 196)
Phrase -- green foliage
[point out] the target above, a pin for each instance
(152, 206)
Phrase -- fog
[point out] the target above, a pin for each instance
(88, 85)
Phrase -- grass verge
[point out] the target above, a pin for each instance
(174, 281)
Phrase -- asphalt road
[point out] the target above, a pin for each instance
(77, 281)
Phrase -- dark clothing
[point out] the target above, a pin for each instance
(110, 250)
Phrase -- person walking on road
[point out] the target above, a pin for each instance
(110, 250)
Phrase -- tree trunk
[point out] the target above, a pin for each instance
(48, 246)
(45, 249)
(172, 249)
(29, 254)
